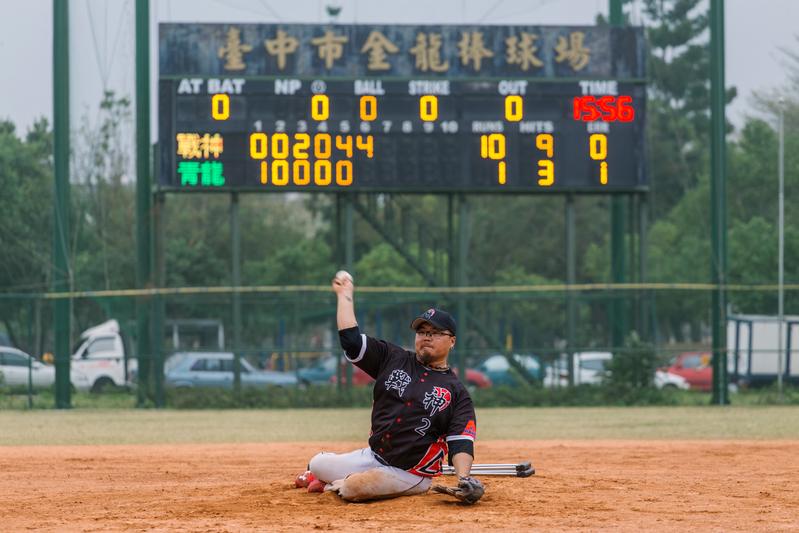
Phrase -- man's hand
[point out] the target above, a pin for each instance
(343, 284)
(469, 490)
(345, 308)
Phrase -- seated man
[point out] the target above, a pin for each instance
(421, 412)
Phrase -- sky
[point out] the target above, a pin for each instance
(102, 39)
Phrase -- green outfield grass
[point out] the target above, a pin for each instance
(130, 426)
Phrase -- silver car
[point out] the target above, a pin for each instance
(14, 369)
(215, 369)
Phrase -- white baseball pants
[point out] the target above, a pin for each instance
(385, 481)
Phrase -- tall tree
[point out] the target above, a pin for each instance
(679, 97)
(25, 221)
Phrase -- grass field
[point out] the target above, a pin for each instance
(131, 426)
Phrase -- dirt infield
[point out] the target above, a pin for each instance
(579, 485)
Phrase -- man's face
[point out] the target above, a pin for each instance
(432, 344)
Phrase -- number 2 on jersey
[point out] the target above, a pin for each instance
(421, 430)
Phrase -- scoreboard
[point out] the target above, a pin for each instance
(313, 124)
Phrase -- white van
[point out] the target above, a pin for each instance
(589, 369)
(101, 357)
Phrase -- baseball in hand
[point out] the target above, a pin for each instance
(343, 275)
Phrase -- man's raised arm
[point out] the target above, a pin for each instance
(345, 309)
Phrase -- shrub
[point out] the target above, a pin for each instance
(634, 366)
(271, 397)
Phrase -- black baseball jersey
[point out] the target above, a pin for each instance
(417, 412)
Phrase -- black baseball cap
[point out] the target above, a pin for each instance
(437, 318)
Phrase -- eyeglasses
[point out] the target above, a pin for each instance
(433, 334)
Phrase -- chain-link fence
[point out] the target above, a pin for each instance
(522, 337)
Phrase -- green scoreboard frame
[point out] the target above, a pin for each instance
(369, 108)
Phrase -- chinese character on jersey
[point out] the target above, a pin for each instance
(330, 47)
(398, 380)
(378, 46)
(282, 45)
(428, 53)
(438, 400)
(573, 51)
(234, 50)
(472, 50)
(522, 51)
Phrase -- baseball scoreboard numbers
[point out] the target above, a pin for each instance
(351, 116)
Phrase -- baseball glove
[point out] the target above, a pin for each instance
(469, 490)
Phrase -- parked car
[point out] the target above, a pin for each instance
(669, 380)
(695, 368)
(318, 373)
(359, 377)
(589, 369)
(215, 369)
(14, 370)
(4, 340)
(500, 372)
(474, 378)
(100, 355)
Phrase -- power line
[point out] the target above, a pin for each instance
(119, 30)
(100, 66)
(240, 8)
(490, 10)
(271, 10)
(541, 4)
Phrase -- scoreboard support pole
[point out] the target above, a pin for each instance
(451, 239)
(235, 257)
(349, 256)
(571, 304)
(159, 214)
(645, 303)
(463, 254)
(618, 215)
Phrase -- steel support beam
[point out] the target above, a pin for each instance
(618, 216)
(235, 242)
(144, 278)
(61, 273)
(718, 200)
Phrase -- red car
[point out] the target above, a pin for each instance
(474, 378)
(695, 368)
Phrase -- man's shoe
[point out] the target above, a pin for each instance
(304, 479)
(316, 486)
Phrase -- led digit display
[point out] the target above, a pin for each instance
(428, 107)
(320, 107)
(513, 108)
(606, 108)
(470, 136)
(368, 107)
(220, 106)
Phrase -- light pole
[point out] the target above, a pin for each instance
(781, 246)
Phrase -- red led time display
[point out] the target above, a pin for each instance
(606, 108)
